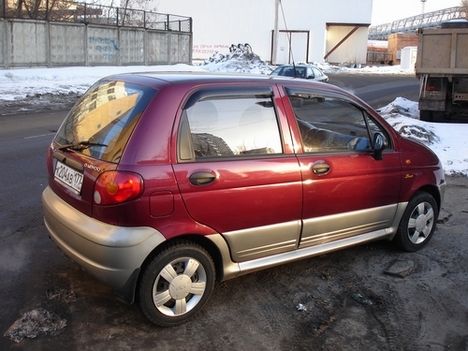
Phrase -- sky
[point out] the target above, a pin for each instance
(384, 11)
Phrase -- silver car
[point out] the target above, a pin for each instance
(301, 71)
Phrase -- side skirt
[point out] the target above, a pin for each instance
(233, 269)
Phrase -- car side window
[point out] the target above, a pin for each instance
(317, 72)
(224, 127)
(330, 124)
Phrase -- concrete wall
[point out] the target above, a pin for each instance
(245, 21)
(2, 42)
(40, 43)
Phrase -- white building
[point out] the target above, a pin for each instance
(332, 30)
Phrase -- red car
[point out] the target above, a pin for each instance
(162, 184)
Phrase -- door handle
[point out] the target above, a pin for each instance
(202, 177)
(320, 168)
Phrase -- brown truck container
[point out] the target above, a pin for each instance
(442, 68)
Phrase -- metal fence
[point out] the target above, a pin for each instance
(77, 12)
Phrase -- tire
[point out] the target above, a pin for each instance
(176, 284)
(418, 222)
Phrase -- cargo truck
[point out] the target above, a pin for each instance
(442, 68)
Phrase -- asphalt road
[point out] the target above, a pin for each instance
(350, 303)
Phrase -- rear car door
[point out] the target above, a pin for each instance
(346, 190)
(237, 171)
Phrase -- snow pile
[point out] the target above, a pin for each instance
(16, 84)
(392, 70)
(240, 59)
(34, 323)
(447, 140)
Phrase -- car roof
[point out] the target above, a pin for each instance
(161, 78)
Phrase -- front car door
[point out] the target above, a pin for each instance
(346, 190)
(237, 170)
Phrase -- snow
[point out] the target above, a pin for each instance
(240, 59)
(395, 69)
(17, 84)
(448, 140)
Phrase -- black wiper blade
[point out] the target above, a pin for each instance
(81, 145)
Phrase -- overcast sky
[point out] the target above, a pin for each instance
(384, 11)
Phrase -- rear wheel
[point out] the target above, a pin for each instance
(418, 222)
(176, 284)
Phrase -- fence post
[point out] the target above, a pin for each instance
(144, 19)
(117, 10)
(47, 10)
(167, 22)
(4, 6)
(84, 14)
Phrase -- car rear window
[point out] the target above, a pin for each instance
(104, 119)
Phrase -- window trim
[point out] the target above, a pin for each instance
(298, 92)
(184, 136)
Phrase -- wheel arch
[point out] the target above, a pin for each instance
(196, 239)
(432, 190)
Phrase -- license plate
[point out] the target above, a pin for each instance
(69, 177)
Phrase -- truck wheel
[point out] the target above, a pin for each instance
(176, 284)
(418, 222)
(426, 116)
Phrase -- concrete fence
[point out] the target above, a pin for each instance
(25, 43)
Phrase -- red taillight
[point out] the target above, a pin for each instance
(113, 187)
(433, 85)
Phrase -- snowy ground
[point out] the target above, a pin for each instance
(17, 84)
(448, 141)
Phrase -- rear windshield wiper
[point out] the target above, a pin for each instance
(81, 145)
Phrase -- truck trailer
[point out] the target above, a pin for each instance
(442, 68)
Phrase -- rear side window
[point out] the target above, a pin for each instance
(105, 118)
(221, 127)
(329, 124)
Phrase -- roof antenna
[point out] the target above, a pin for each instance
(289, 39)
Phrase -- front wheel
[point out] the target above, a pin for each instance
(418, 222)
(176, 284)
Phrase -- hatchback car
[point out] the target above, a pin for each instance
(162, 184)
(301, 71)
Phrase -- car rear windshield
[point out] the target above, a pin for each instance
(104, 118)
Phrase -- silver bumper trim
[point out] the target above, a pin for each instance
(111, 253)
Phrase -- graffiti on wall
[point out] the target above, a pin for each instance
(107, 48)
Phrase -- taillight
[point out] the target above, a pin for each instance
(433, 85)
(114, 187)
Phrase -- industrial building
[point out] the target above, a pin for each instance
(335, 31)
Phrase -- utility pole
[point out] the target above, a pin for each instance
(423, 6)
(275, 35)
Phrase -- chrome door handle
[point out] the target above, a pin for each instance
(320, 168)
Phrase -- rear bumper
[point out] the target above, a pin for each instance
(111, 253)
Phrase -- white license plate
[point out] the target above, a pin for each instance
(69, 177)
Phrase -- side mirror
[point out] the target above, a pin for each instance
(378, 143)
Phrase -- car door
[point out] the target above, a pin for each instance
(347, 191)
(237, 171)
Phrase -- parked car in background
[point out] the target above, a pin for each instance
(301, 71)
(162, 184)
